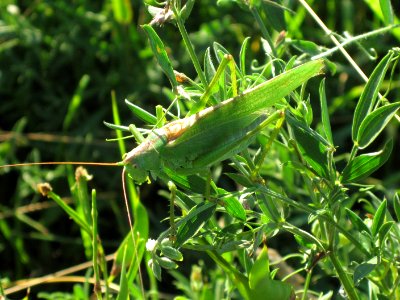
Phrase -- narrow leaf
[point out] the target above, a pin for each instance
(192, 222)
(383, 232)
(166, 263)
(242, 56)
(362, 270)
(374, 123)
(262, 286)
(357, 222)
(369, 94)
(387, 11)
(123, 282)
(171, 253)
(260, 268)
(326, 124)
(186, 10)
(396, 205)
(234, 208)
(365, 164)
(310, 144)
(209, 68)
(379, 218)
(141, 113)
(122, 10)
(155, 268)
(161, 55)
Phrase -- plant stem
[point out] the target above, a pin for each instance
(263, 29)
(343, 277)
(189, 46)
(306, 285)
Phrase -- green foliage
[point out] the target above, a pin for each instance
(288, 181)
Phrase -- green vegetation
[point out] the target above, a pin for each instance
(288, 190)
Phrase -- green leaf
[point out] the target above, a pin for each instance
(365, 164)
(209, 68)
(326, 124)
(310, 144)
(171, 253)
(362, 270)
(260, 269)
(234, 208)
(122, 11)
(123, 282)
(192, 183)
(141, 113)
(240, 179)
(357, 222)
(383, 232)
(374, 123)
(242, 56)
(369, 94)
(275, 15)
(186, 10)
(166, 263)
(161, 55)
(306, 47)
(76, 101)
(396, 206)
(379, 218)
(132, 255)
(73, 214)
(387, 11)
(155, 268)
(193, 221)
(261, 284)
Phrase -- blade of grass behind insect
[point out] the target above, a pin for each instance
(117, 121)
(141, 221)
(123, 283)
(76, 101)
(80, 194)
(122, 10)
(96, 289)
(71, 212)
(141, 113)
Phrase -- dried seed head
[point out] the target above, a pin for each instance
(44, 188)
(82, 173)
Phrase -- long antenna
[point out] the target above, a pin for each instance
(103, 164)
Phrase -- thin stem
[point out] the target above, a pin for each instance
(306, 285)
(189, 46)
(354, 39)
(344, 278)
(263, 29)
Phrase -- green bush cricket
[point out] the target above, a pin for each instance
(216, 133)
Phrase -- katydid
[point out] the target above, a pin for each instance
(213, 134)
(216, 133)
